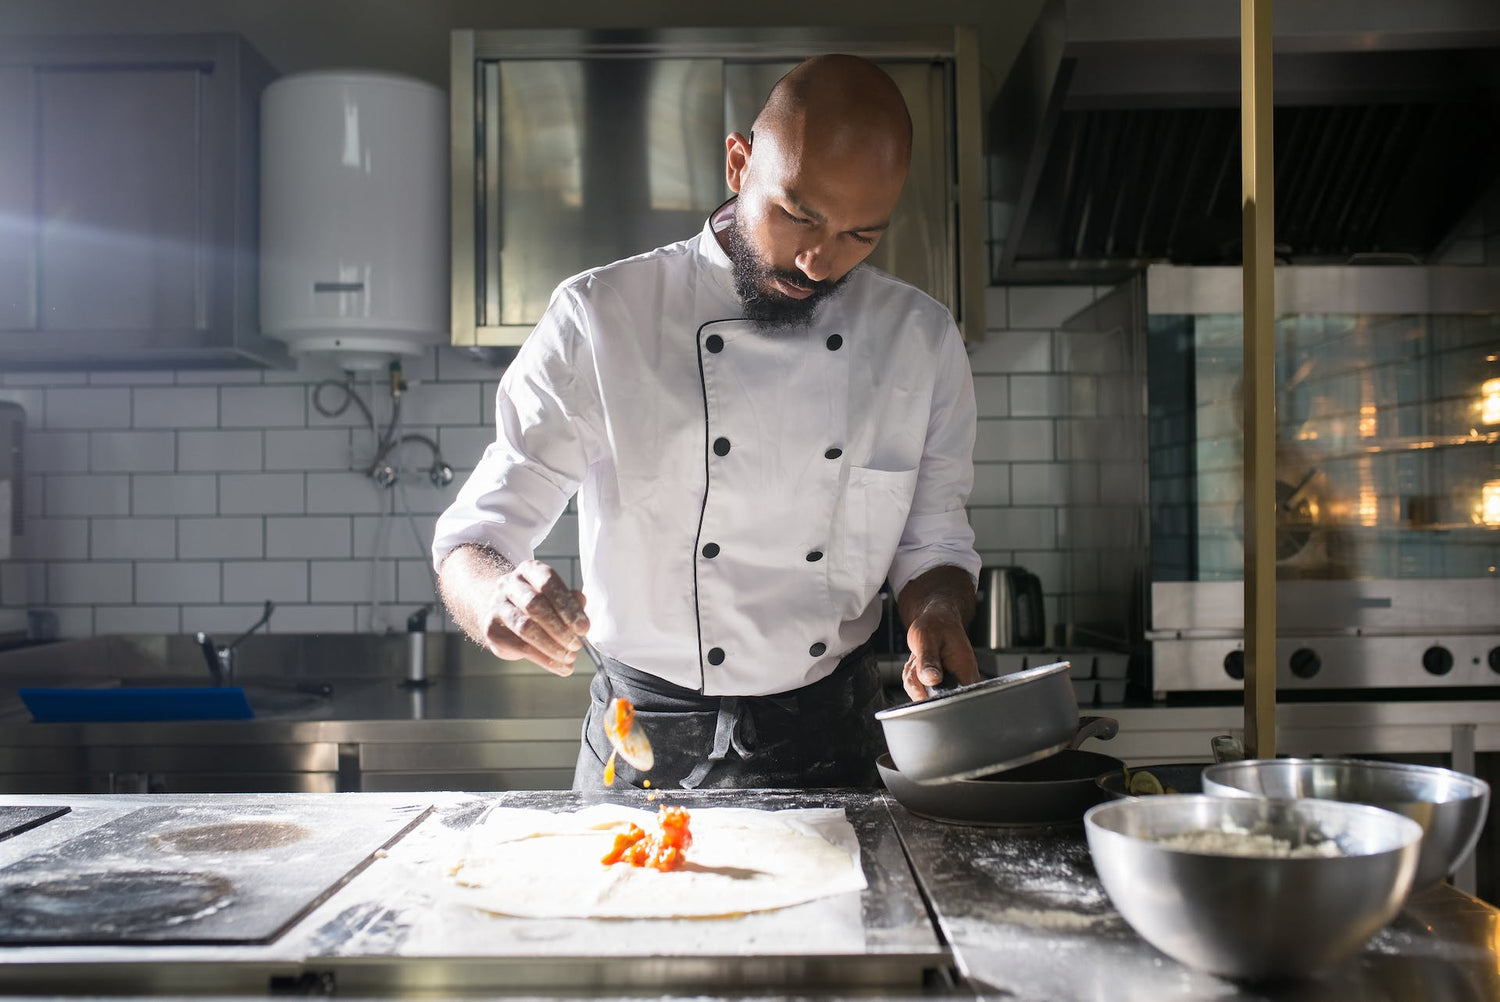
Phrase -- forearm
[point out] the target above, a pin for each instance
(467, 581)
(947, 591)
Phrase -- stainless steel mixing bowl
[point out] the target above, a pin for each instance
(1253, 917)
(1450, 806)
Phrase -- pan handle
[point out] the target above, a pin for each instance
(1227, 748)
(1102, 728)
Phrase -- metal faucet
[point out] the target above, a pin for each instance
(221, 659)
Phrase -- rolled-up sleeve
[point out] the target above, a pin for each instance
(545, 409)
(937, 531)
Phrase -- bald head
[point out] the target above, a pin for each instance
(839, 105)
(818, 179)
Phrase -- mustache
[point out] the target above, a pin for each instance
(797, 280)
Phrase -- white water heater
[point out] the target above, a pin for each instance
(354, 216)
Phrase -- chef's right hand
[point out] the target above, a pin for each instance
(535, 616)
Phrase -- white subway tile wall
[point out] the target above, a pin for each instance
(346, 493)
(64, 538)
(164, 582)
(275, 580)
(132, 452)
(184, 494)
(179, 501)
(317, 536)
(308, 449)
(262, 494)
(352, 580)
(127, 539)
(263, 406)
(217, 539)
(176, 407)
(57, 451)
(78, 495)
(204, 451)
(1033, 383)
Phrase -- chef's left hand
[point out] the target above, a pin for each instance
(939, 643)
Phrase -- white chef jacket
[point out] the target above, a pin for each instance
(742, 493)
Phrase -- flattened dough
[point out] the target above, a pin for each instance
(536, 864)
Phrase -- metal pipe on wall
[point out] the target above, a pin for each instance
(1259, 377)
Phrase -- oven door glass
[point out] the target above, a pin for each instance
(1387, 447)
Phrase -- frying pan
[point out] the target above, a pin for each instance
(1181, 777)
(999, 723)
(1053, 790)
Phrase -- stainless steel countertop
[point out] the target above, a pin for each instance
(393, 926)
(1029, 921)
(1021, 910)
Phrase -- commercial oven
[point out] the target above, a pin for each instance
(1387, 516)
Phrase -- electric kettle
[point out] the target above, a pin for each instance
(1008, 610)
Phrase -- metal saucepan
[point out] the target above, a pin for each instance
(1050, 791)
(999, 723)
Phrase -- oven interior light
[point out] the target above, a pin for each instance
(1489, 401)
(1489, 503)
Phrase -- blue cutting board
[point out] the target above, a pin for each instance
(59, 706)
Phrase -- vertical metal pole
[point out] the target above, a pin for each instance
(1466, 877)
(1259, 386)
(969, 140)
(461, 195)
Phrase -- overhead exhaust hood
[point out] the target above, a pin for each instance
(1114, 142)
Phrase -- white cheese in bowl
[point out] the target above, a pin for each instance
(1242, 842)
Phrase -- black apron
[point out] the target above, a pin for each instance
(821, 735)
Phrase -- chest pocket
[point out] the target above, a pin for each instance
(875, 506)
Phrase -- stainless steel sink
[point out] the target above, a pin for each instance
(279, 697)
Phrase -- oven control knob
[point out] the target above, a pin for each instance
(1437, 660)
(1305, 662)
(1495, 659)
(1234, 665)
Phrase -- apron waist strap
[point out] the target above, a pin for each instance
(731, 721)
(650, 692)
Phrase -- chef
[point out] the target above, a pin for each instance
(760, 432)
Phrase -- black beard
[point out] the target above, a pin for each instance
(764, 305)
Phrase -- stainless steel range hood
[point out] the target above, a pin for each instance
(1114, 142)
(572, 149)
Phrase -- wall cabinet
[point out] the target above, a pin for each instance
(129, 202)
